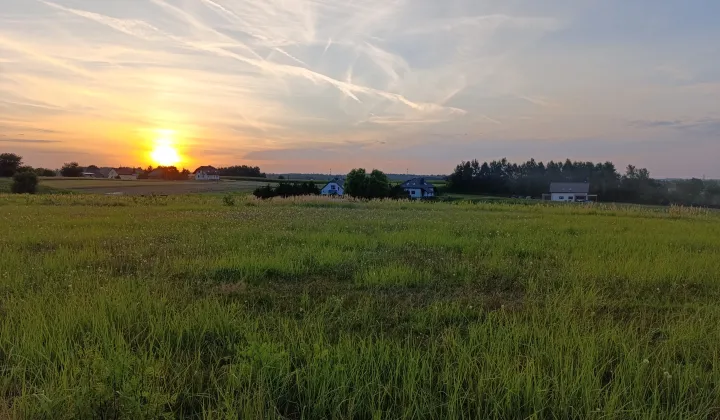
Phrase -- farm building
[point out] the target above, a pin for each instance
(97, 172)
(334, 187)
(569, 192)
(206, 173)
(418, 188)
(123, 173)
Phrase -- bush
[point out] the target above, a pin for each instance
(229, 200)
(264, 192)
(24, 183)
(397, 192)
(286, 189)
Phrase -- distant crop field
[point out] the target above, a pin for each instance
(185, 307)
(272, 181)
(148, 186)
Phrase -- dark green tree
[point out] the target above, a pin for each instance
(44, 172)
(356, 183)
(9, 164)
(72, 170)
(377, 185)
(359, 183)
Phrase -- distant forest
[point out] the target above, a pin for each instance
(532, 178)
(241, 170)
(327, 177)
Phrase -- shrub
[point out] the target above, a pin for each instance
(286, 189)
(397, 192)
(264, 192)
(229, 200)
(24, 183)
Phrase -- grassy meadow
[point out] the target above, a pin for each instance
(146, 186)
(185, 307)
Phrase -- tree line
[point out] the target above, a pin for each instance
(358, 184)
(11, 163)
(499, 177)
(532, 178)
(168, 173)
(242, 170)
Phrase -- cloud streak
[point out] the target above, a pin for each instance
(28, 141)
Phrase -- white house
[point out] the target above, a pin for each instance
(569, 192)
(418, 188)
(206, 173)
(334, 187)
(123, 173)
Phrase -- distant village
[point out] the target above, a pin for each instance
(203, 173)
(561, 181)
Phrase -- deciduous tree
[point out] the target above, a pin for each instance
(72, 170)
(9, 164)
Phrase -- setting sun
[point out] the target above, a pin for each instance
(165, 155)
(164, 151)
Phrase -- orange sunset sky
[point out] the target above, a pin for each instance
(320, 85)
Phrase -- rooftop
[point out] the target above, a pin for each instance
(569, 187)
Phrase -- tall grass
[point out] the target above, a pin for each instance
(183, 307)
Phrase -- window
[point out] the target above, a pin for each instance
(562, 197)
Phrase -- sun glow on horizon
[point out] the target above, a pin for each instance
(164, 152)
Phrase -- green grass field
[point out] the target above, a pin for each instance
(148, 186)
(182, 307)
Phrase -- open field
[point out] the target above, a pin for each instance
(147, 186)
(166, 307)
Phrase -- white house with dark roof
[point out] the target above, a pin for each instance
(334, 187)
(569, 192)
(124, 173)
(206, 173)
(418, 188)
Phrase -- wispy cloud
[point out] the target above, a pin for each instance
(28, 141)
(703, 125)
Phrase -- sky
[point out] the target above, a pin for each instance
(327, 85)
